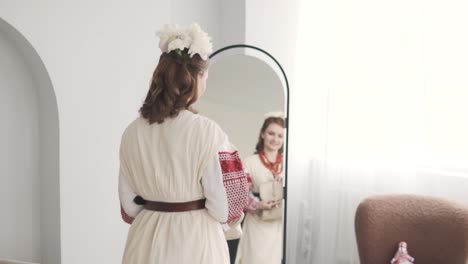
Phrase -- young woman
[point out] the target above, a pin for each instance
(262, 229)
(180, 177)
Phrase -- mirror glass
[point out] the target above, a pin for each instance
(245, 89)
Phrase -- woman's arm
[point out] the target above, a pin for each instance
(128, 208)
(226, 185)
(214, 191)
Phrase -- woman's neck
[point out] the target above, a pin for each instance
(271, 154)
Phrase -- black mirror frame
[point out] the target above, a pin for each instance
(286, 126)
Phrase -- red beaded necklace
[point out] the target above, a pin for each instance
(275, 167)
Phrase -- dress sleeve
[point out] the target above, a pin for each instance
(252, 200)
(226, 185)
(214, 191)
(252, 203)
(128, 209)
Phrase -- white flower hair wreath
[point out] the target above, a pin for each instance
(279, 114)
(193, 38)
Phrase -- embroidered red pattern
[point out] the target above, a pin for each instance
(236, 183)
(127, 219)
(252, 203)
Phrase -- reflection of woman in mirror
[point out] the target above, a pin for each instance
(262, 229)
(176, 182)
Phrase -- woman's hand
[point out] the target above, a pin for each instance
(267, 205)
(278, 177)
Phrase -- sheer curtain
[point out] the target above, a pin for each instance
(378, 106)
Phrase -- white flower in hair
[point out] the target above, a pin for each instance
(171, 37)
(178, 43)
(201, 42)
(166, 35)
(279, 114)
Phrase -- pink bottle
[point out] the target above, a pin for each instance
(402, 256)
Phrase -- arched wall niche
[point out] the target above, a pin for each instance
(29, 135)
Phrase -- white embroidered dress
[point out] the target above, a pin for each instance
(261, 241)
(179, 161)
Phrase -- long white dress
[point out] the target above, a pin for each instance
(180, 160)
(261, 241)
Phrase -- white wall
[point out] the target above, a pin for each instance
(46, 179)
(272, 26)
(33, 78)
(224, 20)
(19, 159)
(233, 23)
(208, 13)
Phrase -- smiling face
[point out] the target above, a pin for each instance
(273, 137)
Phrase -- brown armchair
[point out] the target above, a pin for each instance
(435, 229)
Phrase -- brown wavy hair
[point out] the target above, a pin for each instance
(174, 86)
(270, 120)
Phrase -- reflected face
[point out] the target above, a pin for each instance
(202, 77)
(273, 137)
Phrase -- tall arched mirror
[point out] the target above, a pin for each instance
(247, 95)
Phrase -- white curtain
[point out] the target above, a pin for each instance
(378, 105)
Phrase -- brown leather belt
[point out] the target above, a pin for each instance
(174, 207)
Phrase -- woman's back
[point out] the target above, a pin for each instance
(166, 162)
